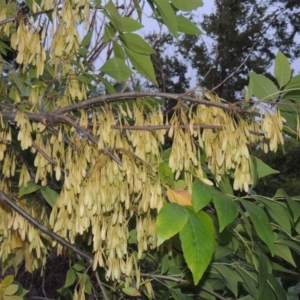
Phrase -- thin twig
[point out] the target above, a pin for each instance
(180, 281)
(236, 70)
(101, 286)
(89, 258)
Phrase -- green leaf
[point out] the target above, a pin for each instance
(165, 172)
(262, 276)
(11, 289)
(292, 89)
(131, 291)
(79, 266)
(187, 26)
(49, 195)
(279, 268)
(87, 39)
(198, 242)
(249, 280)
(31, 188)
(263, 88)
(118, 51)
(187, 5)
(116, 68)
(109, 33)
(276, 286)
(294, 205)
(109, 88)
(229, 276)
(222, 251)
(8, 280)
(168, 16)
(201, 194)
(137, 44)
(260, 223)
(277, 212)
(143, 64)
(285, 253)
(113, 15)
(263, 169)
(70, 278)
(170, 220)
(226, 209)
(282, 70)
(130, 24)
(138, 9)
(225, 186)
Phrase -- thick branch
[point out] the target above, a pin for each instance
(100, 100)
(89, 258)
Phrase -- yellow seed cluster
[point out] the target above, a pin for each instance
(27, 41)
(5, 137)
(20, 238)
(65, 37)
(102, 200)
(272, 127)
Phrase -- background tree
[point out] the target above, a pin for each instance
(242, 36)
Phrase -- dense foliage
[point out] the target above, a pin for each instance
(137, 199)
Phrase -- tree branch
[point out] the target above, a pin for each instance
(101, 286)
(89, 258)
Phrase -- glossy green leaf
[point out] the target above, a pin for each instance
(282, 70)
(277, 287)
(87, 39)
(49, 195)
(263, 88)
(130, 25)
(168, 16)
(187, 26)
(170, 220)
(198, 242)
(226, 209)
(187, 5)
(277, 212)
(262, 276)
(260, 223)
(263, 169)
(70, 278)
(201, 194)
(116, 68)
(136, 44)
(285, 253)
(30, 188)
(143, 64)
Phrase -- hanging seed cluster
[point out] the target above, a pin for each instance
(101, 200)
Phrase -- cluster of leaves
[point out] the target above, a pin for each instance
(88, 172)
